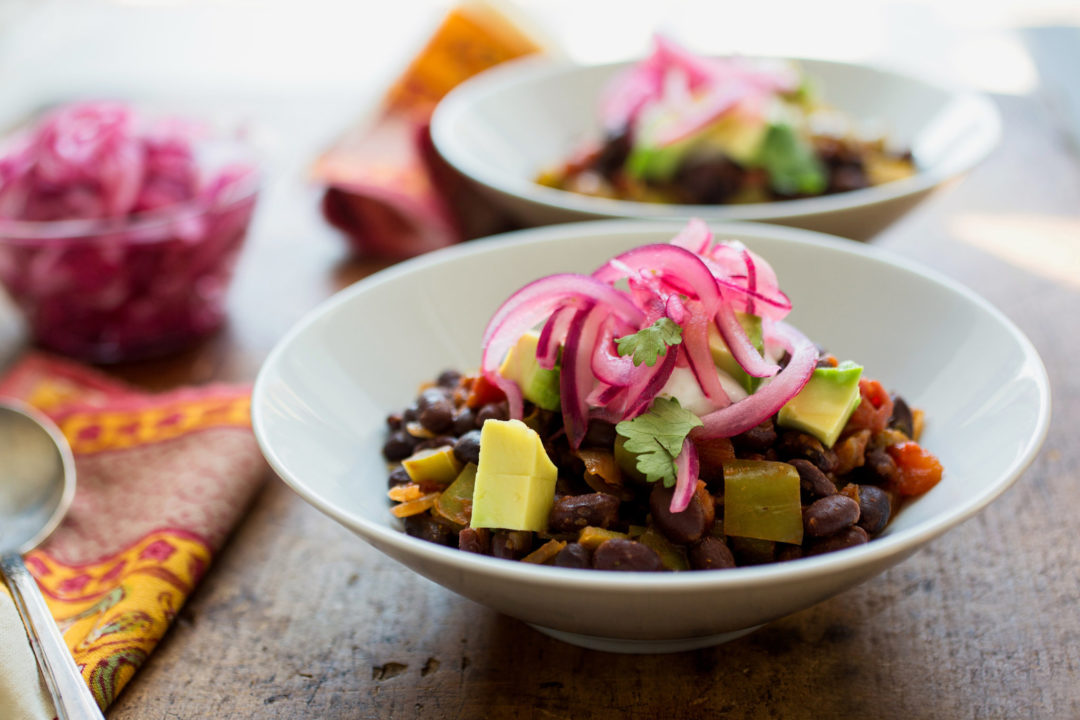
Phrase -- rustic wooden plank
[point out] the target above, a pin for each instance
(300, 619)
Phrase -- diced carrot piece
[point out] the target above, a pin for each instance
(404, 493)
(415, 507)
(918, 469)
(483, 392)
(545, 552)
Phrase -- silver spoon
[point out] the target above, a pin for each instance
(37, 483)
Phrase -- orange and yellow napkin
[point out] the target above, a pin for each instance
(161, 481)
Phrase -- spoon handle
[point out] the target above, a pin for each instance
(71, 696)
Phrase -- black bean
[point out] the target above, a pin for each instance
(410, 413)
(850, 537)
(901, 418)
(795, 444)
(848, 177)
(752, 551)
(573, 512)
(511, 544)
(398, 446)
(434, 442)
(394, 421)
(879, 466)
(788, 552)
(813, 481)
(574, 555)
(600, 434)
(398, 476)
(492, 411)
(425, 527)
(619, 554)
(437, 416)
(830, 515)
(874, 509)
(709, 181)
(430, 396)
(711, 553)
(612, 154)
(467, 447)
(448, 379)
(475, 540)
(758, 438)
(464, 421)
(684, 527)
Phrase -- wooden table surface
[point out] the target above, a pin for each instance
(300, 619)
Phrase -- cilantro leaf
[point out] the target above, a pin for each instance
(649, 343)
(791, 163)
(657, 437)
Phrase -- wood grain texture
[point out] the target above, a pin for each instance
(298, 618)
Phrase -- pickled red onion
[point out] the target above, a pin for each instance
(771, 396)
(686, 475)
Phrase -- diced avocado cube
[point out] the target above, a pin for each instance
(656, 163)
(735, 136)
(825, 403)
(723, 358)
(515, 479)
(437, 465)
(538, 385)
(762, 500)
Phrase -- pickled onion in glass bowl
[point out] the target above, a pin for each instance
(119, 230)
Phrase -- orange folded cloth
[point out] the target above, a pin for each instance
(386, 187)
(161, 481)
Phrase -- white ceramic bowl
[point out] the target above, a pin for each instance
(321, 398)
(505, 125)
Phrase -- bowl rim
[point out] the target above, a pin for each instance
(533, 68)
(149, 227)
(864, 556)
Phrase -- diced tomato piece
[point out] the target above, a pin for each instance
(483, 392)
(919, 470)
(874, 411)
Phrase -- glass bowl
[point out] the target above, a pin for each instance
(130, 288)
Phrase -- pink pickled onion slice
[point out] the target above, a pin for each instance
(576, 379)
(695, 237)
(607, 365)
(696, 343)
(771, 396)
(552, 336)
(686, 476)
(702, 114)
(740, 346)
(751, 278)
(640, 395)
(534, 303)
(676, 266)
(675, 309)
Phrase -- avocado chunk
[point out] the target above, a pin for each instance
(762, 501)
(437, 465)
(721, 354)
(825, 403)
(515, 479)
(538, 385)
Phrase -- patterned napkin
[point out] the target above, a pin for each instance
(161, 480)
(387, 188)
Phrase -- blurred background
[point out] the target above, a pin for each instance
(301, 72)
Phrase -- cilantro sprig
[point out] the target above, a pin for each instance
(647, 344)
(657, 437)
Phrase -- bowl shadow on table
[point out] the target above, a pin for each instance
(823, 653)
